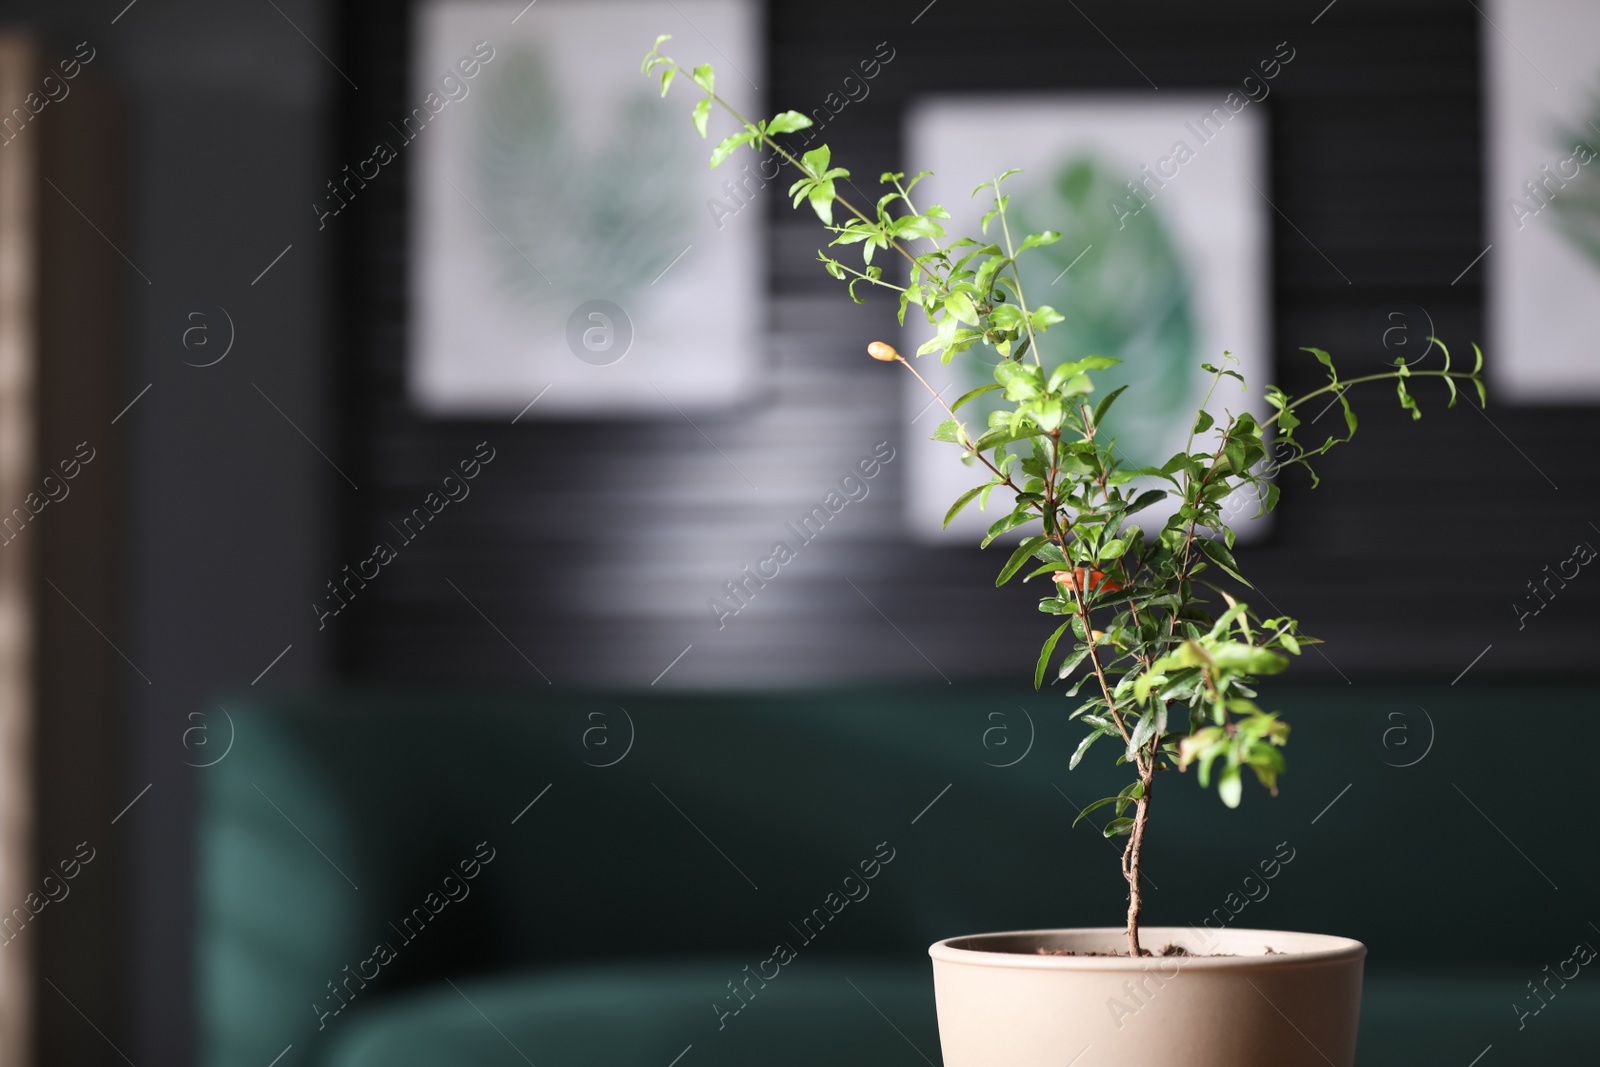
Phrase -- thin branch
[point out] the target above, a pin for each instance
(1385, 377)
(792, 161)
(1022, 301)
(966, 440)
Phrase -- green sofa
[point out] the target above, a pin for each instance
(585, 878)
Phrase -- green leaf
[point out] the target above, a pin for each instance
(974, 394)
(1326, 360)
(821, 197)
(1118, 827)
(962, 501)
(1197, 744)
(705, 77)
(702, 115)
(1083, 746)
(1045, 317)
(729, 146)
(1248, 659)
(1145, 499)
(1203, 421)
(1133, 791)
(949, 430)
(989, 186)
(1407, 401)
(1222, 558)
(914, 226)
(1087, 363)
(1077, 385)
(666, 79)
(1002, 435)
(1072, 662)
(1142, 732)
(1267, 762)
(960, 305)
(817, 160)
(1024, 552)
(1220, 373)
(1181, 461)
(1271, 500)
(1230, 787)
(1105, 405)
(1034, 240)
(1048, 413)
(1084, 814)
(1006, 317)
(1046, 652)
(788, 122)
(1005, 525)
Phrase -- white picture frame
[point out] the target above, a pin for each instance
(1542, 60)
(1201, 238)
(569, 242)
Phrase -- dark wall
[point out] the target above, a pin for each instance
(230, 498)
(592, 547)
(220, 522)
(79, 735)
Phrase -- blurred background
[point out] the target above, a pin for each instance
(390, 488)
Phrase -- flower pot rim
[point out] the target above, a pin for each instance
(1319, 948)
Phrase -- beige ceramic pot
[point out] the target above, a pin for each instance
(1232, 1004)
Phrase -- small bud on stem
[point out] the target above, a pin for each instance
(880, 351)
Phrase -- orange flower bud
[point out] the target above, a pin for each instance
(881, 351)
(1095, 580)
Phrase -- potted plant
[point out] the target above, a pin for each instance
(1169, 657)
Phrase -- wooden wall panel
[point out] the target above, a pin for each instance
(19, 236)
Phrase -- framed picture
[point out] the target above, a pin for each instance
(1162, 263)
(570, 244)
(1543, 254)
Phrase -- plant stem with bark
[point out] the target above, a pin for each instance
(1133, 856)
